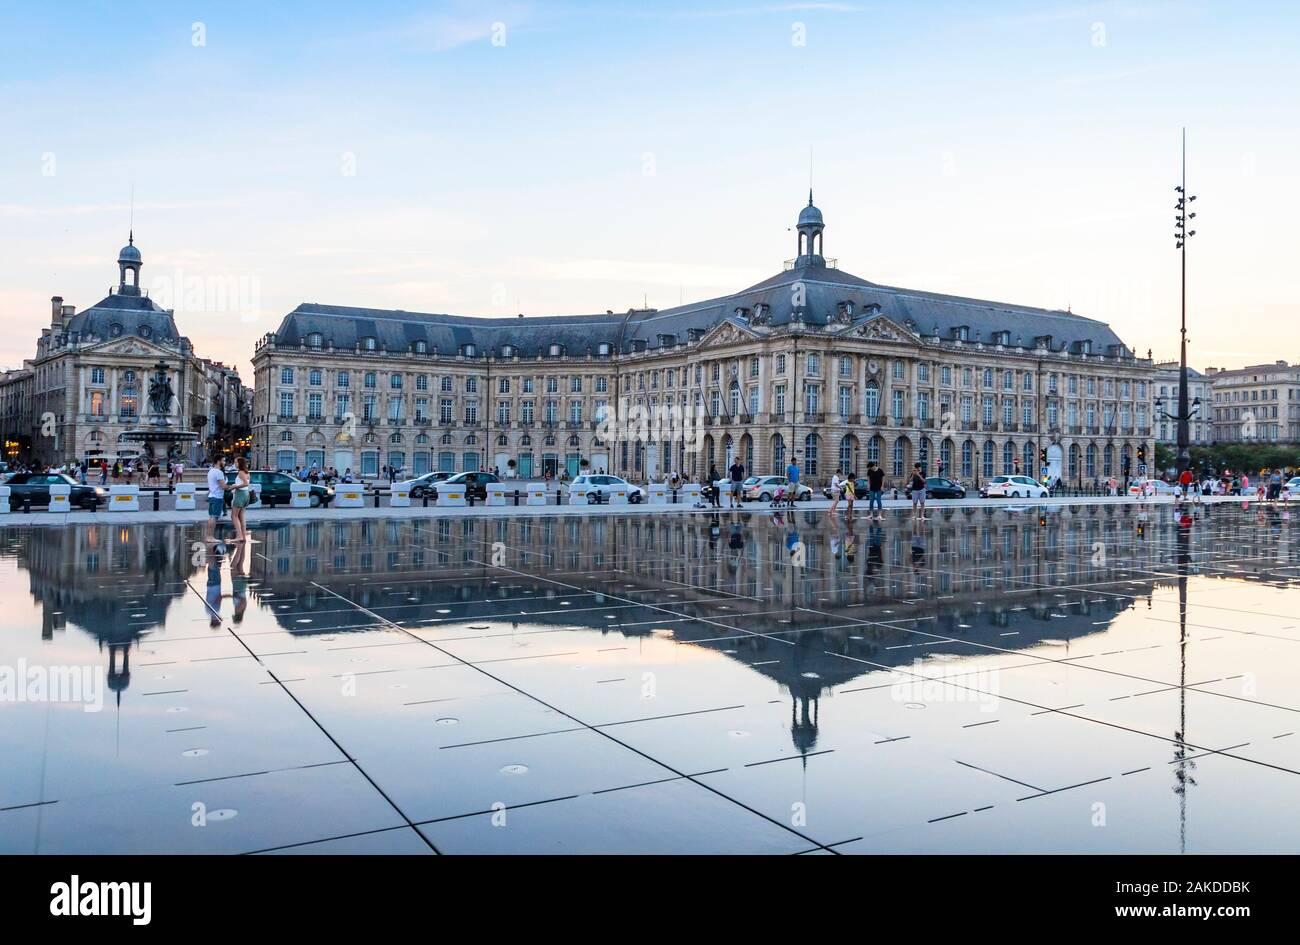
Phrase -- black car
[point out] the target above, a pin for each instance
(427, 483)
(36, 486)
(937, 487)
(474, 483)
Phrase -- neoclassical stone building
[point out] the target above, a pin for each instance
(88, 386)
(812, 361)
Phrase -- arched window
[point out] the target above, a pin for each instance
(874, 446)
(988, 459)
(1091, 468)
(968, 459)
(1008, 458)
(778, 455)
(900, 456)
(503, 440)
(848, 454)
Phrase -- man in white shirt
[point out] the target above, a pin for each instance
(217, 487)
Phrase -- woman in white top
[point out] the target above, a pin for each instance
(837, 489)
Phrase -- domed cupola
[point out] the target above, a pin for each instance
(810, 228)
(129, 261)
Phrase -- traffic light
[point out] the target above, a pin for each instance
(1042, 455)
(1142, 454)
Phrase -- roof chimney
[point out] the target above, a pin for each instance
(56, 311)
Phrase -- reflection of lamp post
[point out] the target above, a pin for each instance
(1181, 236)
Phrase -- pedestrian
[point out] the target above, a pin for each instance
(242, 490)
(850, 494)
(715, 498)
(737, 472)
(1185, 481)
(792, 474)
(875, 491)
(837, 487)
(217, 487)
(918, 493)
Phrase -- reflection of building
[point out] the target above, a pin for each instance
(113, 582)
(1165, 387)
(1259, 403)
(89, 381)
(811, 361)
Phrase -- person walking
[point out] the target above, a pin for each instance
(714, 498)
(875, 492)
(1185, 481)
(217, 487)
(737, 473)
(918, 493)
(850, 494)
(792, 474)
(239, 501)
(837, 488)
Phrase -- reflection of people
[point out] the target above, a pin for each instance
(875, 549)
(239, 582)
(213, 595)
(918, 548)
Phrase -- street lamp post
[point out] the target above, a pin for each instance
(1181, 235)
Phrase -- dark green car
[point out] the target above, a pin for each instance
(275, 489)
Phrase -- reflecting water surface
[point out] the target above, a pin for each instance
(1090, 678)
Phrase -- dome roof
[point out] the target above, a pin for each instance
(128, 253)
(810, 214)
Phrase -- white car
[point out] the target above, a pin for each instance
(765, 488)
(1153, 487)
(1013, 487)
(1292, 486)
(600, 485)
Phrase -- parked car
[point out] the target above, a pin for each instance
(1013, 487)
(766, 488)
(1292, 486)
(36, 486)
(275, 487)
(1152, 487)
(937, 487)
(474, 483)
(422, 484)
(601, 485)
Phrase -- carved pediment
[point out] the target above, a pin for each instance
(129, 347)
(882, 329)
(727, 333)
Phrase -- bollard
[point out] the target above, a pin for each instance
(27, 503)
(155, 499)
(516, 497)
(376, 498)
(425, 496)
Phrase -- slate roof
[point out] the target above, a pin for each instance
(129, 311)
(824, 289)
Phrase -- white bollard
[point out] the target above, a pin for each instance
(61, 498)
(124, 498)
(350, 495)
(537, 493)
(658, 493)
(299, 495)
(399, 497)
(5, 492)
(578, 495)
(185, 497)
(691, 493)
(617, 495)
(496, 493)
(450, 496)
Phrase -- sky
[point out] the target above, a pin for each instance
(566, 158)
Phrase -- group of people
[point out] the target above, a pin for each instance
(845, 487)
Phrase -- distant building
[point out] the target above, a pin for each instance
(812, 362)
(1259, 403)
(88, 384)
(1200, 429)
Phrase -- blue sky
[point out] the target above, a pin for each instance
(592, 155)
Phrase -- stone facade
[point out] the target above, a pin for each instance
(1200, 430)
(814, 362)
(1259, 403)
(88, 384)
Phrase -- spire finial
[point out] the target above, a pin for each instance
(130, 237)
(810, 197)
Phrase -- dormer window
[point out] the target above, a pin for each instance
(1083, 347)
(469, 350)
(315, 341)
(604, 349)
(667, 341)
(1043, 341)
(145, 331)
(1002, 338)
(420, 347)
(555, 351)
(961, 333)
(368, 343)
(846, 308)
(507, 351)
